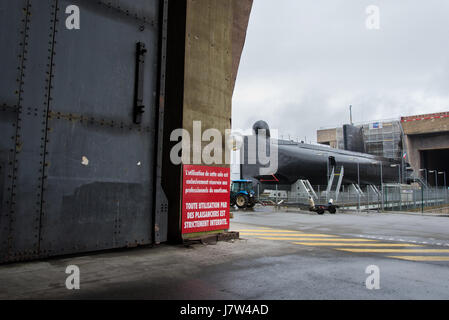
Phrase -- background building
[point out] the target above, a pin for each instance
(422, 140)
(427, 142)
(331, 137)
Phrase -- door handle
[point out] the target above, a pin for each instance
(139, 107)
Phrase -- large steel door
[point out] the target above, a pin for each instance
(24, 67)
(77, 170)
(11, 69)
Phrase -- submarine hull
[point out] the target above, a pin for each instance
(315, 163)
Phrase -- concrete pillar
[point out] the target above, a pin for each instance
(200, 81)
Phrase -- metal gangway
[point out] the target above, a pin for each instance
(303, 189)
(354, 187)
(334, 184)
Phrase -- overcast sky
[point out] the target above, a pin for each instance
(306, 61)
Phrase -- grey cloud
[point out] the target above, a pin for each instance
(306, 61)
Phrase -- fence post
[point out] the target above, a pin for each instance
(422, 199)
(358, 199)
(258, 191)
(367, 191)
(276, 198)
(382, 208)
(378, 200)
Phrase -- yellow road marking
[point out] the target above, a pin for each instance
(259, 229)
(398, 250)
(288, 235)
(335, 244)
(267, 230)
(315, 239)
(421, 258)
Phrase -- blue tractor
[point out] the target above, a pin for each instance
(242, 194)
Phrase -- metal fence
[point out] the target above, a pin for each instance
(389, 197)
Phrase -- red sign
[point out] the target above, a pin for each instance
(205, 199)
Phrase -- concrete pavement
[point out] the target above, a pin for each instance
(280, 256)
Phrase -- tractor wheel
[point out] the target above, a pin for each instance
(241, 201)
(332, 209)
(320, 211)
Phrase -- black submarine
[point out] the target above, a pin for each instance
(315, 163)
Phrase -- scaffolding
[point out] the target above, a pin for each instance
(384, 139)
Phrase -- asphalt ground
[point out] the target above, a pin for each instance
(280, 255)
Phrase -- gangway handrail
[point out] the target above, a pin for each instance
(340, 181)
(330, 181)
